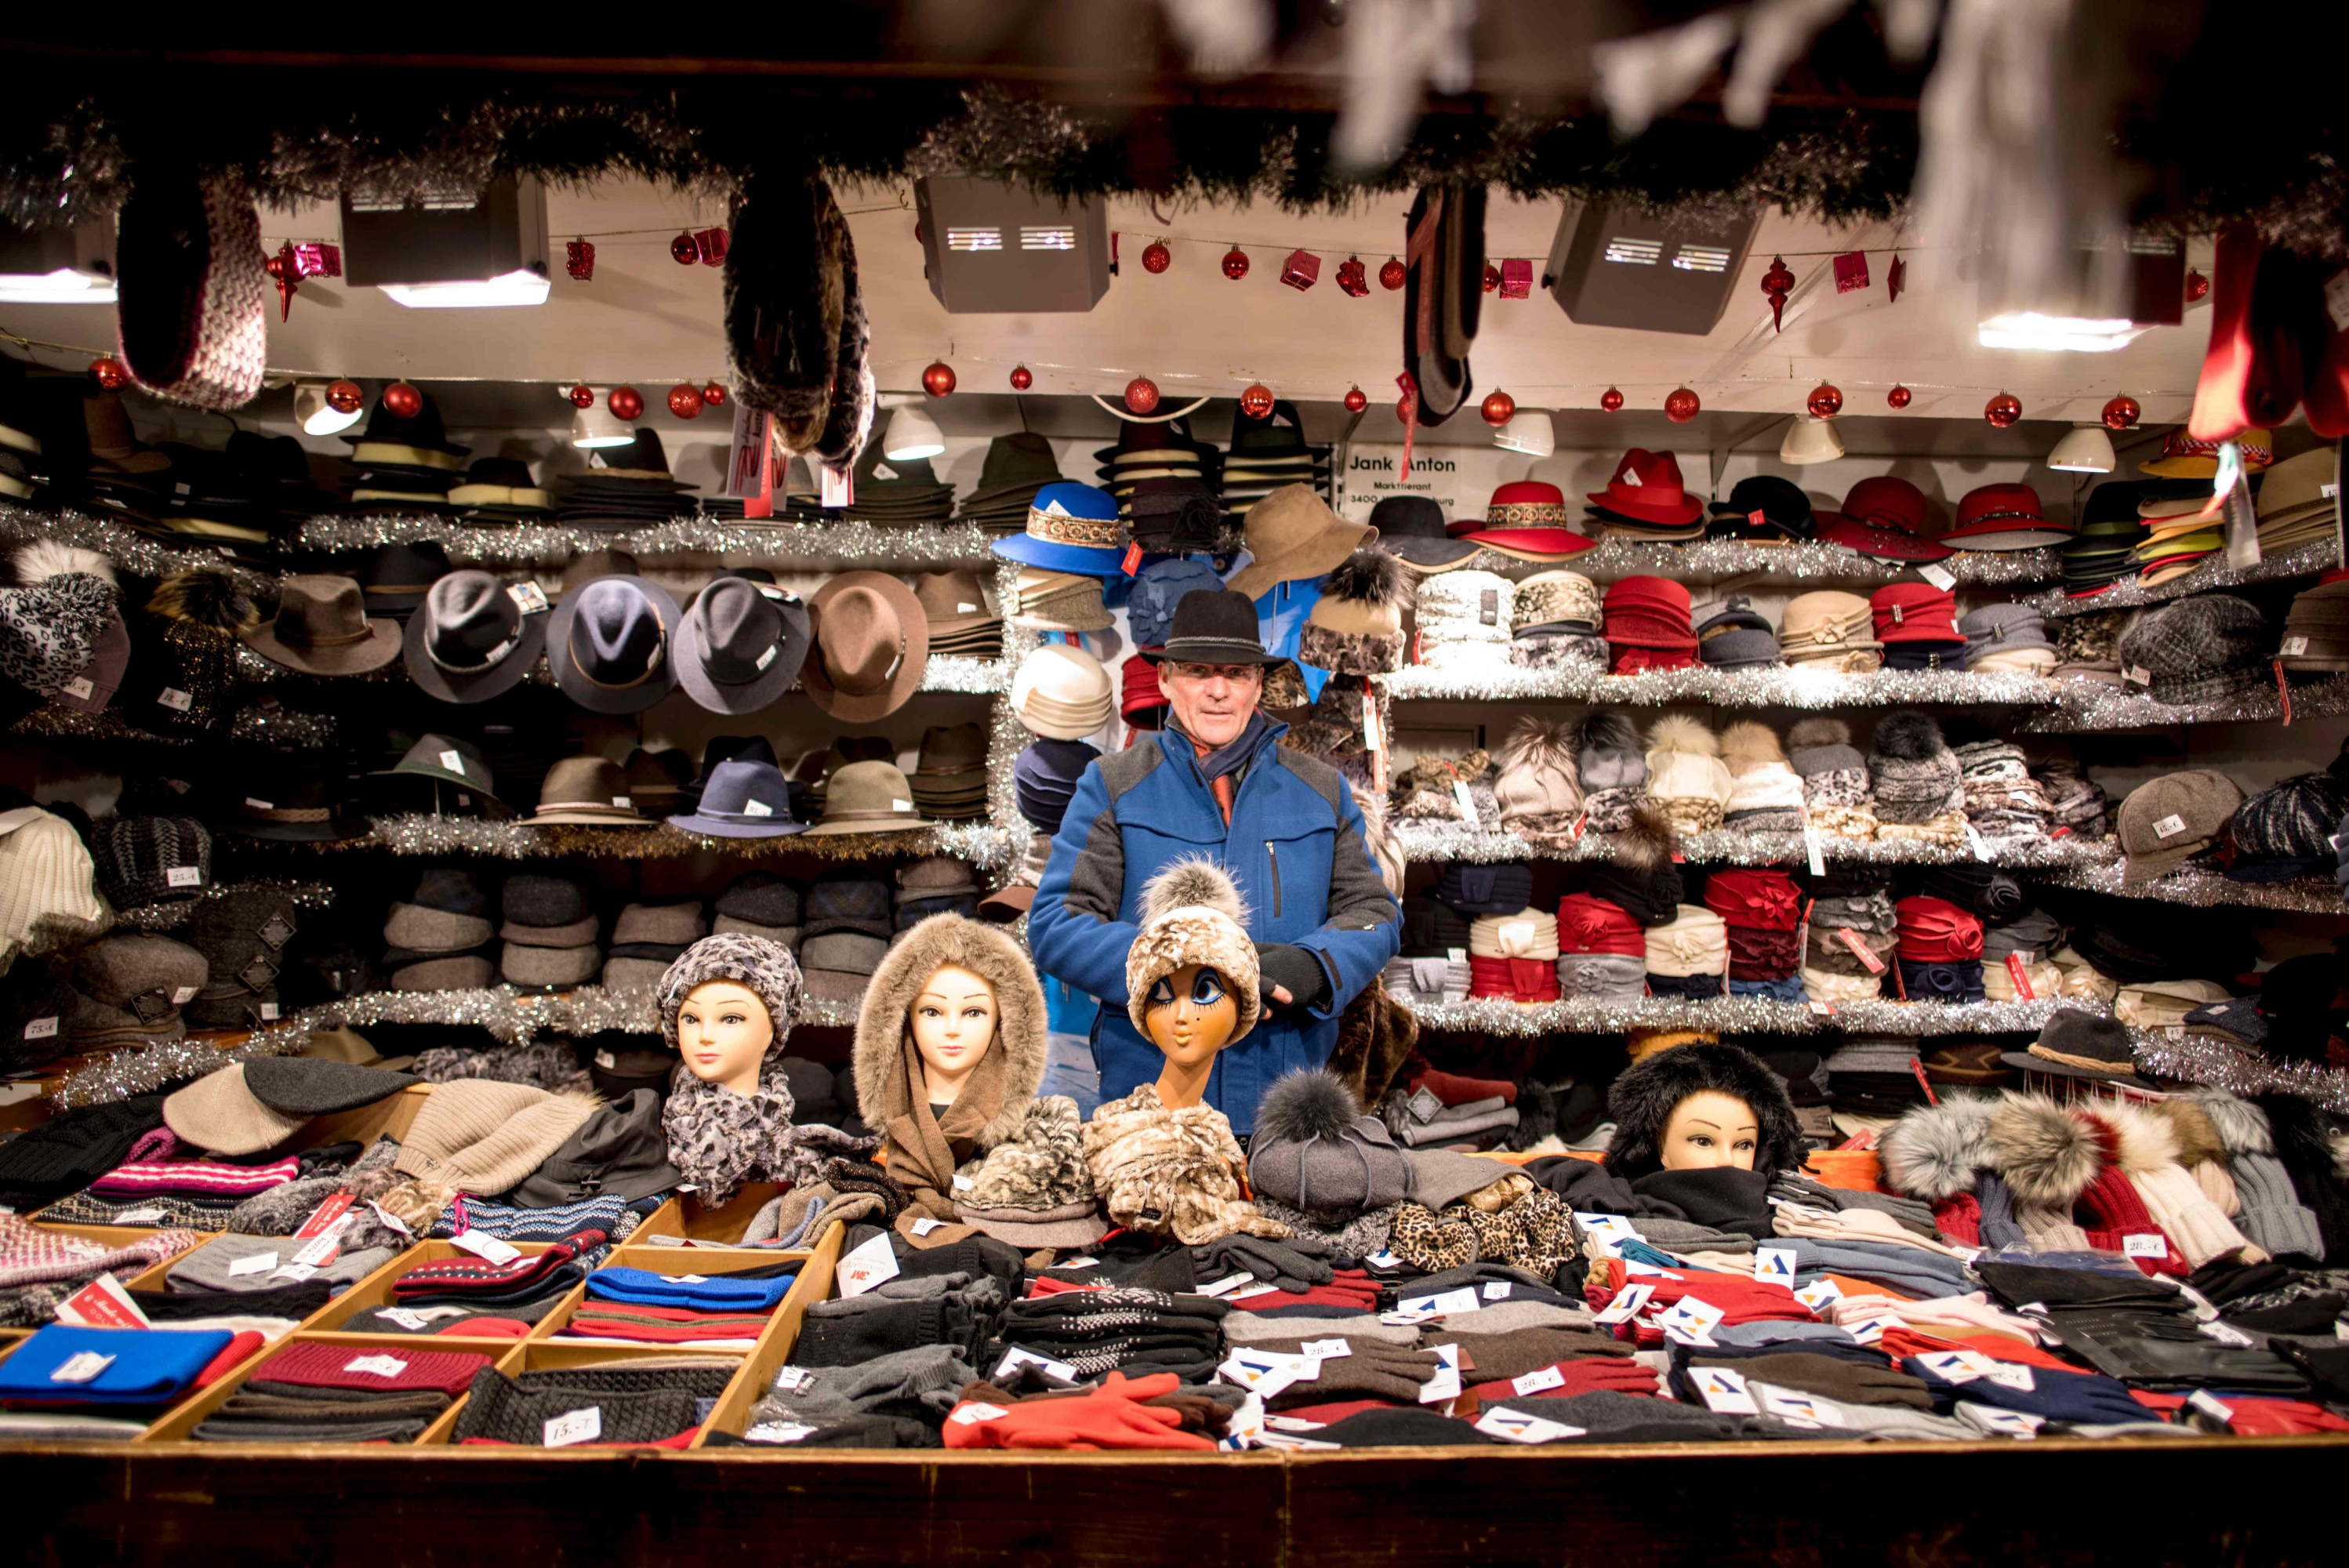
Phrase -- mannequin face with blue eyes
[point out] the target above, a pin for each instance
(1191, 1014)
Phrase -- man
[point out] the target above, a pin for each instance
(1216, 783)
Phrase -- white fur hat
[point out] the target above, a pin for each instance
(1192, 913)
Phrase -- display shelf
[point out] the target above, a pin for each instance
(107, 726)
(135, 553)
(174, 915)
(2301, 561)
(1789, 688)
(843, 543)
(2178, 1054)
(2202, 885)
(1742, 1014)
(2083, 706)
(941, 672)
(1441, 841)
(982, 843)
(1712, 561)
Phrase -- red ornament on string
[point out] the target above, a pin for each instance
(1611, 401)
(1896, 278)
(1022, 378)
(938, 380)
(709, 247)
(109, 373)
(1356, 399)
(713, 395)
(579, 259)
(2122, 413)
(402, 400)
(683, 251)
(583, 397)
(345, 397)
(1257, 401)
(685, 401)
(1236, 264)
(1776, 285)
(1156, 257)
(1491, 277)
(1898, 397)
(1142, 395)
(1352, 281)
(1681, 405)
(1301, 271)
(626, 402)
(1391, 275)
(1825, 401)
(1499, 408)
(2196, 286)
(286, 271)
(2003, 409)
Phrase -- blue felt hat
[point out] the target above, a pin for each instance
(1149, 607)
(1070, 527)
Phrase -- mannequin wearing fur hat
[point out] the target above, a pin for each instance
(949, 1050)
(1704, 1126)
(1163, 1161)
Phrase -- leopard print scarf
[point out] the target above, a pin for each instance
(717, 1139)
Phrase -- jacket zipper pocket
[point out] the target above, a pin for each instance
(1274, 856)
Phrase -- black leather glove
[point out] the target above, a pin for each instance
(1294, 968)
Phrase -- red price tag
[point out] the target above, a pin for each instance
(103, 1303)
(1860, 950)
(324, 1217)
(2021, 978)
(1133, 562)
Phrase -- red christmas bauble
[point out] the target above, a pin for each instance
(1681, 405)
(1356, 399)
(938, 380)
(2122, 413)
(1611, 401)
(2003, 409)
(110, 372)
(2196, 286)
(1257, 401)
(583, 397)
(683, 251)
(1491, 277)
(1898, 397)
(1156, 257)
(713, 396)
(402, 400)
(345, 397)
(1236, 264)
(1500, 407)
(1142, 395)
(1022, 378)
(1825, 401)
(1391, 275)
(626, 402)
(685, 401)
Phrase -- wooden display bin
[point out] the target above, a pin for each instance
(707, 1225)
(177, 1423)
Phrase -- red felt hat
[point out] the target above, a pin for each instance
(1887, 502)
(1914, 613)
(1647, 486)
(1140, 690)
(1756, 898)
(1935, 930)
(1875, 540)
(1648, 593)
(1530, 544)
(1588, 924)
(1514, 979)
(2004, 517)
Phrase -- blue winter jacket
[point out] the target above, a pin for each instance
(1294, 848)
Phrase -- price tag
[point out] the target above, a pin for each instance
(965, 1184)
(1373, 736)
(2226, 1335)
(685, 1279)
(1979, 845)
(528, 597)
(259, 805)
(175, 700)
(1327, 1349)
(81, 1367)
(1265, 1373)
(183, 876)
(454, 761)
(389, 1221)
(1690, 1322)
(1860, 950)
(1628, 1302)
(103, 1303)
(2141, 1245)
(297, 1273)
(484, 1245)
(1774, 1265)
(376, 1365)
(868, 1265)
(1815, 850)
(268, 1012)
(411, 1321)
(1799, 1409)
(1084, 1262)
(1534, 1382)
(2294, 647)
(1952, 1365)
(756, 809)
(1496, 1290)
(578, 1427)
(147, 1215)
(2138, 675)
(972, 1414)
(259, 1262)
(1516, 1427)
(325, 1218)
(183, 994)
(79, 686)
(1225, 1285)
(317, 1252)
(792, 1379)
(925, 1225)
(1939, 577)
(42, 1028)
(1016, 1358)
(1868, 1330)
(2006, 1423)
(1384, 1257)
(2169, 827)
(777, 1432)
(1131, 562)
(1461, 1300)
(1819, 1295)
(1723, 1390)
(1467, 803)
(2202, 1402)
(1446, 1384)
(769, 656)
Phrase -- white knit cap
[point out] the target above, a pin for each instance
(48, 888)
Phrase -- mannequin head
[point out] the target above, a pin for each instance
(1190, 1016)
(1702, 1106)
(1710, 1129)
(723, 1032)
(727, 1006)
(1191, 977)
(952, 1020)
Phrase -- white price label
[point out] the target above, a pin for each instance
(1723, 1390)
(1327, 1349)
(870, 1264)
(413, 1322)
(578, 1427)
(792, 1379)
(1467, 804)
(925, 1225)
(1815, 850)
(964, 1184)
(268, 1012)
(176, 700)
(2005, 1423)
(1016, 1358)
(2138, 675)
(1225, 1285)
(319, 1253)
(2336, 299)
(1446, 1384)
(777, 1432)
(454, 761)
(1939, 576)
(2141, 1245)
(2202, 1402)
(2294, 647)
(2226, 1335)
(42, 1028)
(973, 1414)
(529, 597)
(1627, 1303)
(1690, 1322)
(79, 686)
(1819, 1295)
(297, 1273)
(484, 1245)
(1516, 1427)
(1384, 1258)
(81, 1367)
(685, 1279)
(756, 809)
(1774, 1265)
(1496, 1290)
(259, 1262)
(2169, 827)
(1799, 1409)
(184, 876)
(1088, 1261)
(183, 994)
(146, 1216)
(376, 1365)
(1461, 1300)
(1534, 1382)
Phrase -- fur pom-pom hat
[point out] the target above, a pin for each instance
(796, 333)
(50, 626)
(1641, 1103)
(204, 596)
(1685, 773)
(1355, 628)
(1314, 1150)
(1192, 913)
(1608, 760)
(2047, 1156)
(1538, 784)
(1913, 776)
(1934, 1151)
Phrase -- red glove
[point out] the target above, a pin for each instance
(1108, 1418)
(2257, 1418)
(1351, 1287)
(1899, 1342)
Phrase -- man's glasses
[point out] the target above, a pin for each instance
(1236, 674)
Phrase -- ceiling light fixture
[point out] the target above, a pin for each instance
(911, 434)
(57, 266)
(454, 249)
(1810, 440)
(596, 426)
(1529, 431)
(2085, 449)
(318, 416)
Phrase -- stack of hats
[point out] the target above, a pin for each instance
(1503, 887)
(2004, 517)
(1514, 956)
(1539, 791)
(1268, 453)
(1685, 774)
(2316, 628)
(1916, 789)
(1150, 602)
(1139, 701)
(1174, 516)
(1062, 692)
(1355, 627)
(2165, 1004)
(657, 780)
(405, 464)
(2178, 537)
(2003, 799)
(2076, 807)
(646, 939)
(439, 938)
(254, 492)
(2088, 648)
(900, 493)
(1433, 965)
(1149, 452)
(1645, 499)
(950, 779)
(146, 860)
(1982, 889)
(1738, 638)
(498, 492)
(1834, 775)
(2102, 553)
(1688, 956)
(1602, 950)
(1525, 520)
(1466, 620)
(128, 990)
(1762, 908)
(1853, 931)
(1554, 624)
(548, 928)
(1875, 1075)
(246, 935)
(1044, 601)
(1613, 769)
(760, 904)
(2299, 503)
(1044, 780)
(1764, 508)
(1765, 793)
(1939, 950)
(1647, 625)
(1832, 631)
(1015, 468)
(814, 771)
(2213, 647)
(1883, 518)
(1411, 528)
(2007, 639)
(2018, 957)
(963, 621)
(624, 486)
(2286, 830)
(1918, 625)
(846, 930)
(935, 884)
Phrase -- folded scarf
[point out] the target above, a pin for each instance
(1171, 1173)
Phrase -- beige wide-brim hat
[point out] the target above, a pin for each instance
(871, 644)
(868, 797)
(220, 1114)
(1293, 534)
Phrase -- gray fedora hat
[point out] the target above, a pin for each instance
(610, 645)
(740, 645)
(471, 640)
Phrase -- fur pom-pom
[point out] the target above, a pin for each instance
(2192, 1131)
(1371, 576)
(46, 558)
(1908, 734)
(1815, 732)
(1679, 732)
(1194, 881)
(1605, 730)
(2142, 1141)
(1535, 740)
(1647, 840)
(1933, 1152)
(2241, 1127)
(1305, 1105)
(2047, 1155)
(204, 597)
(1745, 746)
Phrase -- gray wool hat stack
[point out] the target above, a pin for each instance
(129, 988)
(549, 930)
(760, 904)
(1913, 777)
(439, 938)
(245, 936)
(646, 939)
(2208, 648)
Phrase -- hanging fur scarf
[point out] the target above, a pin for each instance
(1171, 1173)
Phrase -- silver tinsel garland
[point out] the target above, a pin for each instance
(979, 842)
(2085, 705)
(2215, 1064)
(58, 722)
(1442, 841)
(2301, 561)
(134, 552)
(846, 544)
(1775, 687)
(941, 672)
(175, 914)
(1740, 1014)
(2202, 885)
(1710, 560)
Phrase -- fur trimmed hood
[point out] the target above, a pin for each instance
(1192, 913)
(2047, 1155)
(1933, 1152)
(1642, 1099)
(882, 1090)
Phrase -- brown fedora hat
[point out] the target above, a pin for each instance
(871, 643)
(322, 628)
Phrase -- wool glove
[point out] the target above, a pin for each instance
(1374, 1371)
(1294, 969)
(1294, 1265)
(1582, 1374)
(1353, 1291)
(1111, 1416)
(1502, 1358)
(2074, 1398)
(2273, 1215)
(1874, 1420)
(2169, 1350)
(1842, 1381)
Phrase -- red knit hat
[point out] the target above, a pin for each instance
(1762, 898)
(2110, 1211)
(1139, 680)
(1588, 924)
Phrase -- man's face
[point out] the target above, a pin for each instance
(1211, 702)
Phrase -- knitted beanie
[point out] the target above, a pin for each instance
(1539, 789)
(478, 1135)
(48, 891)
(1912, 775)
(150, 860)
(1765, 793)
(1685, 774)
(766, 967)
(1613, 773)
(1192, 913)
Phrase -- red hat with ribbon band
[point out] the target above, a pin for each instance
(1758, 897)
(1526, 521)
(1935, 930)
(1515, 979)
(1589, 924)
(1914, 613)
(2004, 517)
(1647, 486)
